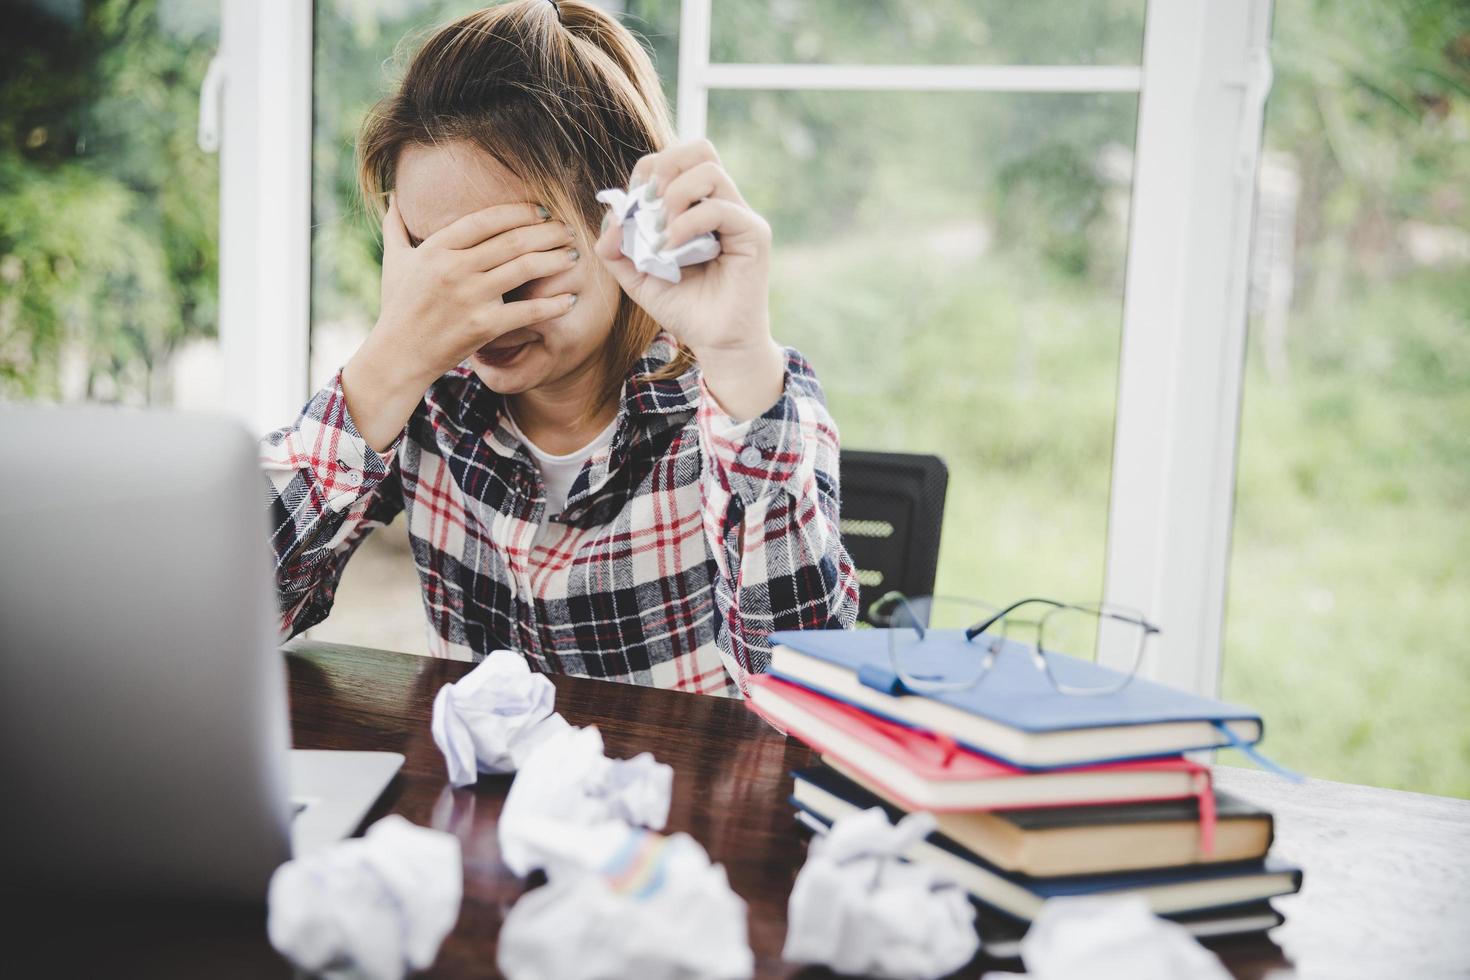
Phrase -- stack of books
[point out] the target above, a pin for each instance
(1035, 793)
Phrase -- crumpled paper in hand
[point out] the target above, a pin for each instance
(1110, 938)
(858, 909)
(369, 908)
(641, 216)
(490, 719)
(568, 797)
(651, 907)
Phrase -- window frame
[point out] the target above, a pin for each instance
(1181, 376)
(265, 208)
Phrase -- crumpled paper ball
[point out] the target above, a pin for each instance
(858, 909)
(1111, 938)
(649, 906)
(490, 719)
(641, 216)
(368, 908)
(566, 788)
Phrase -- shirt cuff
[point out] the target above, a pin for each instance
(328, 443)
(758, 456)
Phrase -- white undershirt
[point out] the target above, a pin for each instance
(560, 472)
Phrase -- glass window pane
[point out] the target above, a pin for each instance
(954, 32)
(1348, 625)
(109, 214)
(359, 48)
(952, 264)
(354, 64)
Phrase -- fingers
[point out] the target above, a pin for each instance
(609, 248)
(609, 242)
(523, 313)
(704, 179)
(662, 167)
(495, 320)
(532, 265)
(395, 235)
(497, 251)
(734, 223)
(475, 227)
(686, 174)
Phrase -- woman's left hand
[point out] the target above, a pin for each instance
(719, 309)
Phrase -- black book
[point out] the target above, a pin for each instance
(826, 796)
(1000, 936)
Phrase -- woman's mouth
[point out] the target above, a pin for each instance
(501, 356)
(507, 348)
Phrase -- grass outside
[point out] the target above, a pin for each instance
(1349, 616)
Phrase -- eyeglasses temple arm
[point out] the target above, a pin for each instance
(979, 628)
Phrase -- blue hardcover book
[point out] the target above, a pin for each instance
(823, 797)
(1013, 714)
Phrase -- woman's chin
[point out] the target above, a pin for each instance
(511, 370)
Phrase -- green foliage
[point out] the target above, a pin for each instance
(939, 32)
(76, 269)
(1371, 101)
(108, 212)
(1350, 605)
(357, 58)
(1350, 600)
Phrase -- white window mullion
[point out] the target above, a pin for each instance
(692, 114)
(1206, 73)
(265, 208)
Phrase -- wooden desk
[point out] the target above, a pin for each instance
(1387, 888)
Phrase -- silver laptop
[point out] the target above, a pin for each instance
(144, 745)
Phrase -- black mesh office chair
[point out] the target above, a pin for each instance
(892, 508)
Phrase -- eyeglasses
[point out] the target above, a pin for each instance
(1055, 630)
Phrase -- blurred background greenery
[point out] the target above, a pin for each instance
(953, 265)
(108, 210)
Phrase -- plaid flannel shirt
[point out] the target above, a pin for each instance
(682, 545)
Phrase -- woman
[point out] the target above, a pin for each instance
(617, 476)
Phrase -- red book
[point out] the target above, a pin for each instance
(919, 770)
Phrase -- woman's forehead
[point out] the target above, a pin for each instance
(435, 185)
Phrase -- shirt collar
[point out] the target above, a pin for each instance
(645, 396)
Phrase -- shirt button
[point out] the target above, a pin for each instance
(750, 456)
(354, 479)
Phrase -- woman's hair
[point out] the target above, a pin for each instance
(561, 94)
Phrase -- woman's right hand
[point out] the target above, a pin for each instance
(443, 300)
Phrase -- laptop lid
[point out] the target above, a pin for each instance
(143, 726)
